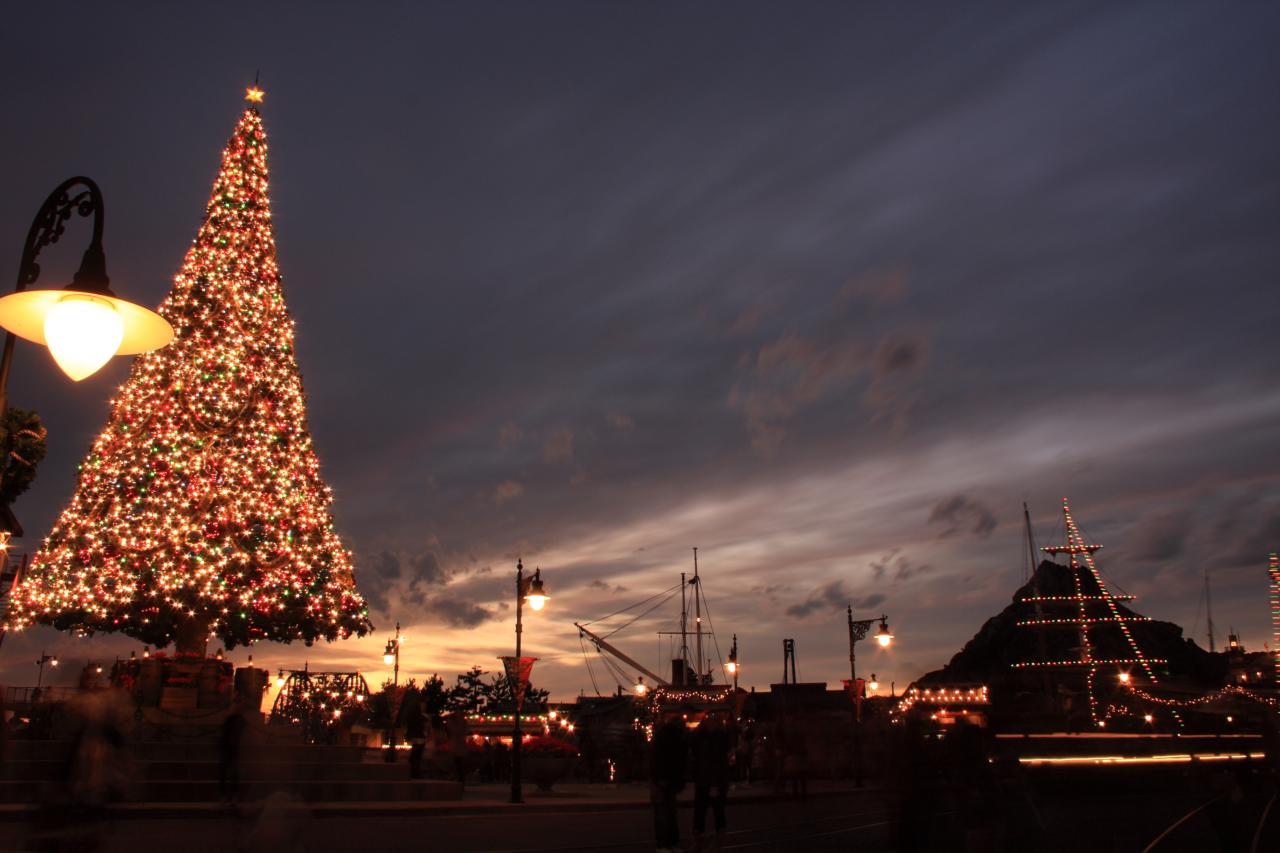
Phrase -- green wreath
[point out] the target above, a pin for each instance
(22, 440)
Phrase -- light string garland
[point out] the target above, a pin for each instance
(1081, 561)
(1225, 692)
(1273, 572)
(954, 695)
(201, 501)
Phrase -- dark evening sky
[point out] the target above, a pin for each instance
(827, 291)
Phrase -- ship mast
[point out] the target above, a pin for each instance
(697, 620)
(1208, 607)
(1091, 592)
(684, 631)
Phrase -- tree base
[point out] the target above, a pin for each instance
(192, 637)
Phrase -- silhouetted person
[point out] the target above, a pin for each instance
(668, 754)
(792, 764)
(415, 731)
(711, 744)
(4, 729)
(972, 783)
(746, 756)
(487, 773)
(457, 728)
(501, 762)
(230, 738)
(914, 773)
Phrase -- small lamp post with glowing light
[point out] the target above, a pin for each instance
(732, 666)
(528, 589)
(858, 629)
(83, 324)
(642, 689)
(391, 657)
(45, 658)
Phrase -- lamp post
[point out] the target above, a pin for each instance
(732, 665)
(391, 657)
(83, 324)
(527, 589)
(44, 658)
(857, 631)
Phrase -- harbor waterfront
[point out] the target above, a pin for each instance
(640, 426)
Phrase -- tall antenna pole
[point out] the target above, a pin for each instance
(697, 619)
(1031, 544)
(1037, 605)
(1208, 607)
(684, 632)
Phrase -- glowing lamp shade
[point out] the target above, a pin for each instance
(883, 636)
(82, 332)
(536, 596)
(732, 667)
(389, 658)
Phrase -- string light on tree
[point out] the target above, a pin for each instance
(200, 509)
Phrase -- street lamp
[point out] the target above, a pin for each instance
(391, 655)
(44, 658)
(83, 324)
(873, 684)
(732, 666)
(641, 687)
(883, 637)
(536, 596)
(527, 589)
(858, 631)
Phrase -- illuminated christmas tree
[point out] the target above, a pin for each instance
(200, 509)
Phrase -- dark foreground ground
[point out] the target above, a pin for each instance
(1070, 815)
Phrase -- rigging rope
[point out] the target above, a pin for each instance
(586, 658)
(712, 626)
(634, 619)
(618, 673)
(637, 604)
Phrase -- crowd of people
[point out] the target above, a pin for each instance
(712, 755)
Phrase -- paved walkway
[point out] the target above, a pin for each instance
(477, 799)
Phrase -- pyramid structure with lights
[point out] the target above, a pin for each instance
(200, 510)
(1064, 640)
